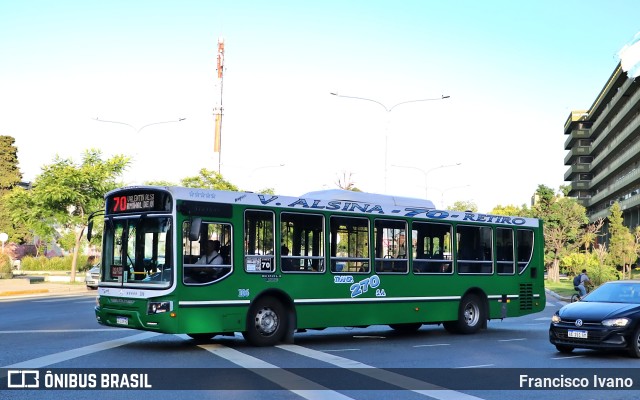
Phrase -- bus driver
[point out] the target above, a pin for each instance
(212, 255)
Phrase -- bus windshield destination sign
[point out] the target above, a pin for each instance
(133, 202)
(137, 201)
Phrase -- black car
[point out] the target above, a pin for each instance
(607, 318)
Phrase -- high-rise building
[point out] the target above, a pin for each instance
(604, 150)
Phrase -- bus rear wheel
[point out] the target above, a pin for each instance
(471, 316)
(265, 323)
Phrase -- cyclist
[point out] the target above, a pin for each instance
(580, 281)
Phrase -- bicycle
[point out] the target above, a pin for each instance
(576, 296)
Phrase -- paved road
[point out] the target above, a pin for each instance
(60, 332)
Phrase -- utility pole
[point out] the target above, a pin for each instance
(218, 110)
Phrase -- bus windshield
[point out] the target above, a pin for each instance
(137, 251)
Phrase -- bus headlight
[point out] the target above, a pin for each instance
(159, 307)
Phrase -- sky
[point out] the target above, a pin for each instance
(513, 71)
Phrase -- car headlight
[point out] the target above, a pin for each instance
(616, 322)
(556, 319)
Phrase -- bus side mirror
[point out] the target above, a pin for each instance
(194, 231)
(89, 230)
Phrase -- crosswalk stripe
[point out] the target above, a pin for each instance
(402, 381)
(275, 374)
(79, 352)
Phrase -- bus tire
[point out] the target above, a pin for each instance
(471, 316)
(406, 328)
(266, 322)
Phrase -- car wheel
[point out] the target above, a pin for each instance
(634, 344)
(564, 349)
(266, 323)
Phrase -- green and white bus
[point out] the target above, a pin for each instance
(327, 259)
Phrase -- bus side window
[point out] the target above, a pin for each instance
(204, 265)
(349, 243)
(524, 238)
(475, 255)
(259, 244)
(431, 243)
(302, 247)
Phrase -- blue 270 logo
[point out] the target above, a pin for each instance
(363, 286)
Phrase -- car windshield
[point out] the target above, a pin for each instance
(616, 293)
(137, 251)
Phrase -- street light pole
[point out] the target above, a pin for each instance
(426, 174)
(388, 111)
(142, 127)
(442, 192)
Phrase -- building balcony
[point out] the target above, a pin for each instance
(630, 155)
(612, 192)
(631, 202)
(576, 169)
(576, 152)
(612, 105)
(613, 124)
(605, 155)
(576, 135)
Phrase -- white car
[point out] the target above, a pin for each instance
(92, 277)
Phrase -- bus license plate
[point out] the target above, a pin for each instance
(577, 334)
(122, 320)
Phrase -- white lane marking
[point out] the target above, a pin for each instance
(433, 345)
(81, 351)
(476, 366)
(402, 381)
(61, 299)
(340, 350)
(565, 357)
(64, 330)
(511, 340)
(275, 374)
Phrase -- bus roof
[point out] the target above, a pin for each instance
(364, 197)
(343, 201)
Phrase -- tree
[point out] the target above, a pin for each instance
(465, 205)
(207, 179)
(64, 193)
(347, 183)
(622, 243)
(589, 237)
(511, 210)
(10, 177)
(563, 219)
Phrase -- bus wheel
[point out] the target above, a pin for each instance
(406, 328)
(470, 316)
(265, 323)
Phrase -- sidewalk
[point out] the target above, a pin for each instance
(25, 287)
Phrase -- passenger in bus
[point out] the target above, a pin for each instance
(212, 254)
(401, 249)
(287, 263)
